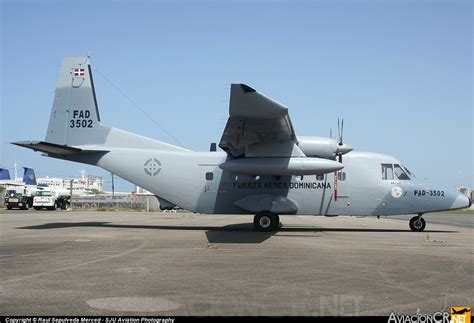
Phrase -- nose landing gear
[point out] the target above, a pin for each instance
(417, 223)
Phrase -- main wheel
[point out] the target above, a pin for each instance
(266, 221)
(9, 207)
(27, 206)
(417, 224)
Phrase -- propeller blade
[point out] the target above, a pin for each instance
(342, 148)
(342, 130)
(339, 129)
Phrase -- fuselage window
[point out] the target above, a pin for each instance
(209, 176)
(400, 173)
(387, 171)
(341, 176)
(320, 177)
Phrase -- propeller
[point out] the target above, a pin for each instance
(342, 148)
(340, 129)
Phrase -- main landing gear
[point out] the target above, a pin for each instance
(417, 223)
(266, 221)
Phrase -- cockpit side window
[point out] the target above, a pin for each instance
(400, 173)
(387, 171)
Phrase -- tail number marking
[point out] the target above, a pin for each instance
(434, 193)
(80, 119)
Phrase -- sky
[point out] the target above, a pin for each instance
(399, 72)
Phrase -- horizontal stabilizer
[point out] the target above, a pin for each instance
(86, 156)
(48, 148)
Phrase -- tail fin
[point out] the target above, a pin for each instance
(29, 177)
(75, 116)
(4, 174)
(75, 119)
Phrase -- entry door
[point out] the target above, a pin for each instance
(210, 183)
(341, 187)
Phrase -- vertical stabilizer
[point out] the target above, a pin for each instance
(29, 177)
(75, 116)
(75, 120)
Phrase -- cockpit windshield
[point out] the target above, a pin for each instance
(408, 171)
(400, 173)
(394, 171)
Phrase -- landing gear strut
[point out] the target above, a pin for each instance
(417, 223)
(266, 221)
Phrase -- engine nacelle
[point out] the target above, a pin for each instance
(318, 147)
(322, 147)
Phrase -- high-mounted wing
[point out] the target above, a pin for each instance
(260, 140)
(257, 126)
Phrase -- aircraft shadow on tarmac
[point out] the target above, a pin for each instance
(233, 233)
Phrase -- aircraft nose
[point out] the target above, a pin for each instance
(461, 202)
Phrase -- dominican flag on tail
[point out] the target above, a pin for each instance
(78, 72)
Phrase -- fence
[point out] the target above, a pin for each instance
(129, 201)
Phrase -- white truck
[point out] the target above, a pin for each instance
(50, 200)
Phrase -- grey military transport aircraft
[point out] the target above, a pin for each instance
(265, 169)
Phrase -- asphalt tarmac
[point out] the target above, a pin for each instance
(133, 263)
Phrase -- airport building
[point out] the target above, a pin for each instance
(79, 185)
(141, 191)
(86, 184)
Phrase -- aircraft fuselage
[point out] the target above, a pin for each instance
(194, 181)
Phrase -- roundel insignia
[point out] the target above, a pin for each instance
(397, 192)
(152, 167)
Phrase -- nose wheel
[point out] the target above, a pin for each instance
(266, 221)
(417, 223)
